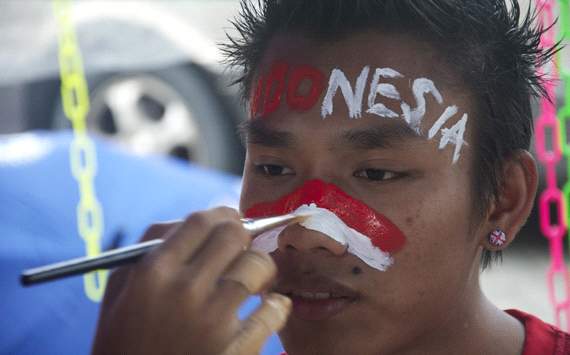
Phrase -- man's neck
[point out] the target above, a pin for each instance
(481, 328)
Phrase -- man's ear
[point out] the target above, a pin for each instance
(511, 208)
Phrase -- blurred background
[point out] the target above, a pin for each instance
(153, 68)
(164, 117)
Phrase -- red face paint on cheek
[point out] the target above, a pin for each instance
(354, 213)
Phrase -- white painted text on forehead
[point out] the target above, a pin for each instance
(271, 88)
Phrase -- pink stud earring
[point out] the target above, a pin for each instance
(497, 238)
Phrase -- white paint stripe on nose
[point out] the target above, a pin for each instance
(329, 224)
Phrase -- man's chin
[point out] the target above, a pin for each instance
(301, 337)
(353, 330)
(313, 331)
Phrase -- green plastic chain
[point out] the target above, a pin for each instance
(82, 153)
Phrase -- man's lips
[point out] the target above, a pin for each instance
(317, 299)
(316, 287)
(354, 213)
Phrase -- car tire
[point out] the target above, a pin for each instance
(198, 91)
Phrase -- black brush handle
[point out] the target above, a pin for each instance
(132, 253)
(106, 260)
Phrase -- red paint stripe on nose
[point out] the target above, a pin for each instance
(354, 213)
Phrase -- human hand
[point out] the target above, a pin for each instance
(182, 298)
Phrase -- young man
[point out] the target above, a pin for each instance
(403, 126)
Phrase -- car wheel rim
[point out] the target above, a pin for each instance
(148, 116)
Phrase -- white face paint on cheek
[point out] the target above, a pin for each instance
(327, 223)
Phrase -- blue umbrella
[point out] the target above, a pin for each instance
(38, 199)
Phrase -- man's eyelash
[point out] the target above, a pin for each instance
(377, 175)
(273, 170)
(370, 174)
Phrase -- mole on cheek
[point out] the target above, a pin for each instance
(356, 270)
(409, 221)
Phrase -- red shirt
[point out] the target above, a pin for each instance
(539, 338)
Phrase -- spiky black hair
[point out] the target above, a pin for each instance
(488, 44)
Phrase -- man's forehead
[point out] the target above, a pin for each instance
(358, 86)
(367, 134)
(278, 99)
(352, 52)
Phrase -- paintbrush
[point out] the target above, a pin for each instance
(116, 257)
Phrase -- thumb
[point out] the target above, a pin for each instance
(270, 317)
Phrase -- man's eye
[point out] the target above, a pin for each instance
(376, 174)
(273, 170)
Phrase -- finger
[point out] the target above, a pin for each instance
(115, 284)
(193, 232)
(118, 277)
(251, 273)
(160, 231)
(226, 241)
(270, 317)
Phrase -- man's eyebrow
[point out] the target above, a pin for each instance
(257, 131)
(378, 137)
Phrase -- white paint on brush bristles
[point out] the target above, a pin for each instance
(326, 222)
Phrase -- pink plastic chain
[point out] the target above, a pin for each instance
(552, 195)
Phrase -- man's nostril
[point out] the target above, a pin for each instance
(299, 239)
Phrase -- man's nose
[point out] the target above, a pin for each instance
(300, 239)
